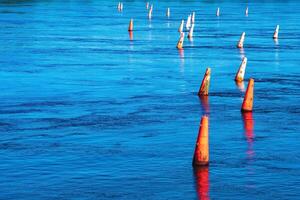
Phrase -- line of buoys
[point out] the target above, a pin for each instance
(180, 41)
(168, 12)
(241, 41)
(275, 36)
(247, 105)
(130, 27)
(201, 153)
(218, 12)
(204, 88)
(241, 72)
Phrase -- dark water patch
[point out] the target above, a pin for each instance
(5, 112)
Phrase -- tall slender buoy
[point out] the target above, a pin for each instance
(241, 41)
(191, 31)
(201, 153)
(180, 29)
(147, 5)
(218, 12)
(193, 17)
(168, 12)
(275, 36)
(246, 11)
(188, 22)
(150, 12)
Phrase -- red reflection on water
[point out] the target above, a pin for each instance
(204, 103)
(181, 53)
(240, 85)
(276, 41)
(130, 35)
(202, 182)
(249, 131)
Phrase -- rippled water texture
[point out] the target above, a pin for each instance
(88, 113)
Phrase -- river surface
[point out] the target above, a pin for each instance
(89, 111)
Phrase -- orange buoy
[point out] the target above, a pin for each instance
(168, 12)
(180, 41)
(201, 154)
(191, 31)
(119, 6)
(218, 12)
(241, 72)
(130, 28)
(180, 29)
(147, 5)
(246, 11)
(275, 36)
(193, 17)
(241, 41)
(247, 105)
(204, 88)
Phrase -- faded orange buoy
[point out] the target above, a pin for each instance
(218, 12)
(130, 28)
(180, 29)
(247, 105)
(191, 31)
(275, 36)
(147, 5)
(180, 41)
(121, 7)
(204, 88)
(168, 12)
(201, 154)
(241, 41)
(241, 72)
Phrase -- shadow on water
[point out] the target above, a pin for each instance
(249, 132)
(201, 175)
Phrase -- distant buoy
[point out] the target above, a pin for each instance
(180, 29)
(204, 88)
(246, 11)
(150, 12)
(191, 31)
(218, 12)
(241, 72)
(241, 41)
(201, 153)
(130, 27)
(247, 105)
(193, 17)
(121, 7)
(275, 36)
(168, 12)
(180, 41)
(147, 5)
(188, 22)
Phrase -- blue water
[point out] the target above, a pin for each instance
(88, 113)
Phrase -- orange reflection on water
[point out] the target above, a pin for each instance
(181, 53)
(130, 35)
(204, 103)
(202, 182)
(249, 131)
